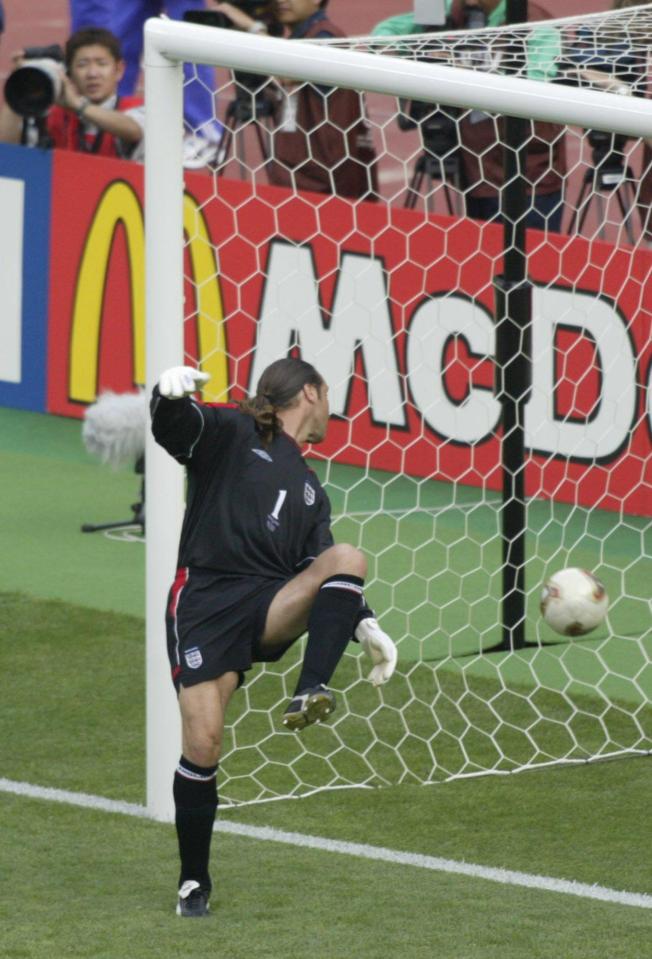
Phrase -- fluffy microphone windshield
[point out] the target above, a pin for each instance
(115, 428)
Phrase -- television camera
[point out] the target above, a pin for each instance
(250, 101)
(437, 125)
(609, 172)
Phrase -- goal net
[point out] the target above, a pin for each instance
(370, 242)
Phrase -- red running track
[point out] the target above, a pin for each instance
(41, 22)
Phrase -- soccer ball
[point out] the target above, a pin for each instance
(573, 602)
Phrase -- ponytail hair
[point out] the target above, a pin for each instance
(277, 390)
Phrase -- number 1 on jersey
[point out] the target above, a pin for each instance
(273, 521)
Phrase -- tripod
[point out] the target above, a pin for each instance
(608, 175)
(137, 509)
(429, 168)
(246, 106)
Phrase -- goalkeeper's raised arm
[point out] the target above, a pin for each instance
(177, 426)
(257, 568)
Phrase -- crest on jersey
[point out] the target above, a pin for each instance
(308, 494)
(264, 455)
(194, 657)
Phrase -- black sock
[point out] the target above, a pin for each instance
(330, 627)
(195, 799)
(364, 612)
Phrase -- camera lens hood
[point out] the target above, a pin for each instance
(31, 90)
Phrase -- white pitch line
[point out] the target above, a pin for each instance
(85, 800)
(507, 877)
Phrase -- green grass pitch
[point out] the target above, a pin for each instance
(83, 883)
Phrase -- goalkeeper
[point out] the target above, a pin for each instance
(257, 567)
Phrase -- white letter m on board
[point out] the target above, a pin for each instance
(291, 313)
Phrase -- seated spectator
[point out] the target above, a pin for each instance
(321, 139)
(88, 116)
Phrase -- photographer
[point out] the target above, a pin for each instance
(126, 19)
(616, 60)
(85, 113)
(481, 148)
(321, 139)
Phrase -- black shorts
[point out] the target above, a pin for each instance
(215, 624)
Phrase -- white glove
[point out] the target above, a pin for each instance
(181, 381)
(379, 648)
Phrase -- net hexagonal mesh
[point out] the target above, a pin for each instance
(371, 249)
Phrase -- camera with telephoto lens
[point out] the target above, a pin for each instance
(35, 86)
(256, 9)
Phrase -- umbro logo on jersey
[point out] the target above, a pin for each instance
(194, 657)
(308, 494)
(263, 455)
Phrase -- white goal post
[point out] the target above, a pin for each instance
(168, 45)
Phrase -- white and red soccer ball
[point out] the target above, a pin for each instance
(573, 602)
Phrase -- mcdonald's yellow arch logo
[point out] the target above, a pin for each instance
(120, 205)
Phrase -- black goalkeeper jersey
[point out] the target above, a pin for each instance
(251, 509)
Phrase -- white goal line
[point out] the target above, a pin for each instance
(508, 877)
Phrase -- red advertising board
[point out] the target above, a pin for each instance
(394, 309)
